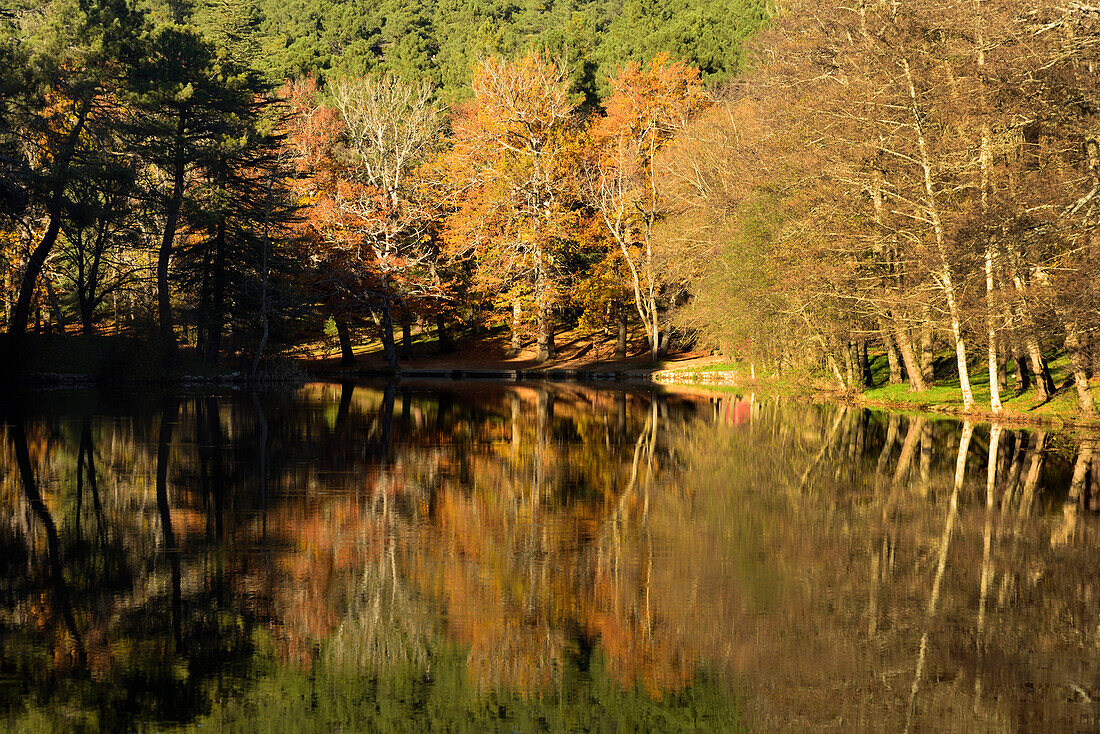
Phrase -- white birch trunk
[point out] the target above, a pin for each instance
(941, 245)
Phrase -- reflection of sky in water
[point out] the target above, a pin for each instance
(538, 557)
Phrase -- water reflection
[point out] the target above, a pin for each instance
(536, 557)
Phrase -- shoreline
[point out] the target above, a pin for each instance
(660, 378)
(1005, 417)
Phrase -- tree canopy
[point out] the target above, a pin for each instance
(440, 41)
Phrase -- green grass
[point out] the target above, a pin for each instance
(947, 390)
(715, 367)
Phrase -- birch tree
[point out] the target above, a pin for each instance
(391, 128)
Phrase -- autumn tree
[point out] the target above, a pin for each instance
(648, 106)
(515, 160)
(391, 128)
(313, 130)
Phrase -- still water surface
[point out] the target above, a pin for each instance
(489, 557)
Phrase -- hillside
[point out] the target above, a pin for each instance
(439, 40)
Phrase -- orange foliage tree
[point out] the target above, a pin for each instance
(517, 149)
(313, 130)
(648, 106)
(369, 214)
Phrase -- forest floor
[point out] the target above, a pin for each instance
(71, 358)
(574, 350)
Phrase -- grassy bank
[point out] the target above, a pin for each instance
(945, 395)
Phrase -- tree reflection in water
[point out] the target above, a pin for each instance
(537, 556)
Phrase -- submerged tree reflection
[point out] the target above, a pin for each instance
(551, 557)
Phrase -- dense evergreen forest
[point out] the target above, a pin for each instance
(814, 186)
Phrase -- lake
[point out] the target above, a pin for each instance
(539, 557)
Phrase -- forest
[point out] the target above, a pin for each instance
(167, 174)
(899, 193)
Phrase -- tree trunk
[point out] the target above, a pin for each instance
(833, 366)
(946, 281)
(85, 288)
(849, 366)
(1022, 316)
(865, 364)
(37, 260)
(1077, 346)
(985, 161)
(1079, 360)
(1022, 373)
(87, 291)
(406, 335)
(389, 348)
(443, 338)
(916, 380)
(343, 331)
(546, 334)
(990, 323)
(927, 348)
(1002, 367)
(164, 256)
(620, 340)
(87, 328)
(33, 269)
(1044, 382)
(517, 326)
(544, 311)
(891, 353)
(960, 345)
(55, 308)
(655, 336)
